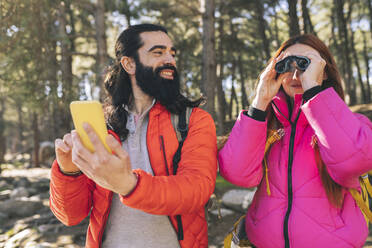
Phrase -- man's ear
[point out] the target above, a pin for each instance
(128, 64)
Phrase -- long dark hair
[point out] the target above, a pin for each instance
(333, 190)
(118, 84)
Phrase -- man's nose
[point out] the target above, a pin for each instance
(169, 59)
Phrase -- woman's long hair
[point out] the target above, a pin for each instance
(333, 190)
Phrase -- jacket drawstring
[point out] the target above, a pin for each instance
(272, 138)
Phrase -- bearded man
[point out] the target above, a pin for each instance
(131, 195)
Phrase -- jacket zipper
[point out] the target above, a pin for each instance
(162, 148)
(289, 180)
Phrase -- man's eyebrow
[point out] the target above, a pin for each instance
(161, 47)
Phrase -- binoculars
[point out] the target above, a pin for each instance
(286, 64)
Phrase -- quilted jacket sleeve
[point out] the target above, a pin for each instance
(191, 187)
(240, 160)
(344, 138)
(70, 197)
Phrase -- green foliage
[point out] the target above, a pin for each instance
(222, 183)
(35, 44)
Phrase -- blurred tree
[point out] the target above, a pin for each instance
(102, 56)
(221, 113)
(53, 52)
(259, 13)
(369, 5)
(308, 26)
(366, 63)
(345, 49)
(209, 54)
(294, 27)
(358, 68)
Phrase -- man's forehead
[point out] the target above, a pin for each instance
(155, 38)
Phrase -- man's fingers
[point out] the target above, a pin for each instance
(78, 146)
(97, 143)
(67, 139)
(116, 147)
(82, 164)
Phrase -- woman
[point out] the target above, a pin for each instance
(302, 199)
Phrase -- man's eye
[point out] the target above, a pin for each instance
(158, 52)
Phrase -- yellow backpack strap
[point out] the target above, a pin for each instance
(367, 183)
(362, 198)
(361, 204)
(272, 137)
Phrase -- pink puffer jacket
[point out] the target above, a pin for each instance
(298, 213)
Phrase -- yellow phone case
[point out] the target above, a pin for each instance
(92, 113)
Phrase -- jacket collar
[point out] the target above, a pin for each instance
(157, 109)
(280, 104)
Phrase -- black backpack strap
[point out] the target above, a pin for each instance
(183, 129)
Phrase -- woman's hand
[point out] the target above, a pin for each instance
(314, 74)
(268, 86)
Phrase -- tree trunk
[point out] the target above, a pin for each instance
(19, 145)
(36, 140)
(336, 45)
(2, 131)
(66, 68)
(209, 56)
(294, 27)
(233, 98)
(52, 78)
(366, 62)
(369, 3)
(101, 46)
(234, 95)
(244, 98)
(221, 114)
(276, 27)
(343, 37)
(262, 28)
(125, 9)
(308, 26)
(356, 61)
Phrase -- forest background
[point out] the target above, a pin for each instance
(53, 52)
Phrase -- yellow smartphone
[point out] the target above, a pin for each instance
(92, 113)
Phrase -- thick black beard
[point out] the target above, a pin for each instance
(164, 90)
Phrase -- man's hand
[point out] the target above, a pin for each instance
(63, 149)
(110, 171)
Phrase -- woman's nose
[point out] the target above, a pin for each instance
(296, 74)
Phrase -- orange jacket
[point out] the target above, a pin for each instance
(185, 194)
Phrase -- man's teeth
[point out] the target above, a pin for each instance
(167, 73)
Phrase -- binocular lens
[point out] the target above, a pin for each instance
(302, 64)
(285, 64)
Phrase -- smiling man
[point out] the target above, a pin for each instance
(132, 195)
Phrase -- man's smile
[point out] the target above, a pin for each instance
(167, 74)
